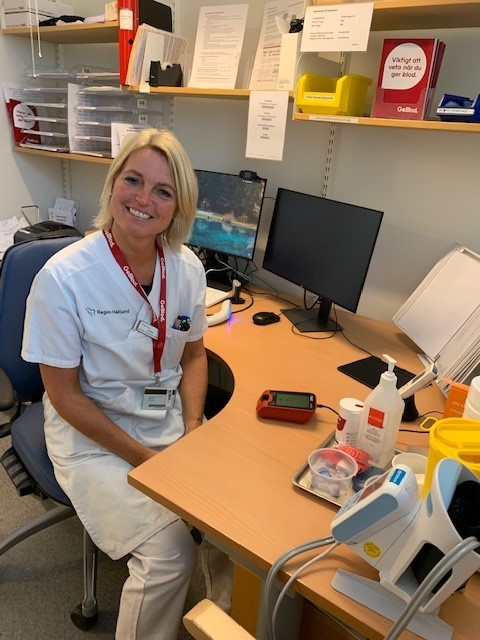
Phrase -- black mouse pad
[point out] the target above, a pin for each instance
(368, 371)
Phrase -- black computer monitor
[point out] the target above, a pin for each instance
(228, 215)
(325, 247)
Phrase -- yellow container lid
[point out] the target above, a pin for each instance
(457, 438)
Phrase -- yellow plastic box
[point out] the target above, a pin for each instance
(457, 438)
(323, 95)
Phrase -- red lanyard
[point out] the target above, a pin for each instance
(158, 321)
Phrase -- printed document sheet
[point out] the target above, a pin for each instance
(218, 46)
(267, 119)
(342, 27)
(267, 58)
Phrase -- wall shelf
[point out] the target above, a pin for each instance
(72, 33)
(61, 156)
(430, 125)
(391, 15)
(192, 92)
(388, 15)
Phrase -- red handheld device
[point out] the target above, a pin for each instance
(290, 406)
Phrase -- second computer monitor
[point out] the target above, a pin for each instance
(323, 246)
(228, 213)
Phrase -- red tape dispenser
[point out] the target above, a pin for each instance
(290, 406)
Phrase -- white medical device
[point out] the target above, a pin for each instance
(405, 538)
(420, 381)
(220, 316)
(391, 498)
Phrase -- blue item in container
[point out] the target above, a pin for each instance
(453, 108)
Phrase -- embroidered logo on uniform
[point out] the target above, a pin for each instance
(105, 312)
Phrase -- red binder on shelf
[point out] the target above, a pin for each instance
(132, 13)
(128, 17)
(408, 75)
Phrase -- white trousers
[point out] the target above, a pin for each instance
(153, 596)
(217, 570)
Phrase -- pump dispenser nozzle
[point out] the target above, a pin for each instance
(389, 375)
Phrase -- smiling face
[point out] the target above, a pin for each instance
(143, 201)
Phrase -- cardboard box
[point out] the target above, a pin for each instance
(17, 13)
(456, 398)
(111, 11)
(289, 51)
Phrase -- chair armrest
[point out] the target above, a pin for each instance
(7, 392)
(206, 621)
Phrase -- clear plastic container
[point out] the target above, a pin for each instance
(331, 471)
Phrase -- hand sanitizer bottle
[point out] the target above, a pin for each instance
(381, 418)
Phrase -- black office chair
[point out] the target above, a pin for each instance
(26, 461)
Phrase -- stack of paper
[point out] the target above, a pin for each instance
(442, 316)
(150, 45)
(7, 231)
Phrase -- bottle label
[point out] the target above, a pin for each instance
(376, 418)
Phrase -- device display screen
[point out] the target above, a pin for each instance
(293, 400)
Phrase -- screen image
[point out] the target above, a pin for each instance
(228, 213)
(296, 400)
(323, 246)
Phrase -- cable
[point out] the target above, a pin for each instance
(292, 579)
(325, 406)
(215, 270)
(239, 273)
(278, 564)
(356, 345)
(460, 550)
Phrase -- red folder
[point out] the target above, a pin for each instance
(128, 12)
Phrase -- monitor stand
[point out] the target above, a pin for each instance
(309, 320)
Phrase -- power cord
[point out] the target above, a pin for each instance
(325, 406)
(292, 579)
(278, 564)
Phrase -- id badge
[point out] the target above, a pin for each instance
(146, 329)
(157, 398)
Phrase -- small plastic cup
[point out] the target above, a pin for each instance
(331, 471)
(417, 463)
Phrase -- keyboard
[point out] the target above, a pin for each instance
(214, 296)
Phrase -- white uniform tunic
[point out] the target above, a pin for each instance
(82, 310)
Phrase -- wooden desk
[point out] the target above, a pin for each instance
(232, 477)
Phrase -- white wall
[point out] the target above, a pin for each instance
(425, 181)
(21, 182)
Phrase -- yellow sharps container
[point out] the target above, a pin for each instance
(457, 438)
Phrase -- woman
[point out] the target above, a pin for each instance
(116, 321)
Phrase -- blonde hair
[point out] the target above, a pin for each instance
(164, 142)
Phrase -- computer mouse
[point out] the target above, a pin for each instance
(265, 317)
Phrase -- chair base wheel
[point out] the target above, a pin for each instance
(81, 621)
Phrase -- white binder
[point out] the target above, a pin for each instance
(442, 315)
